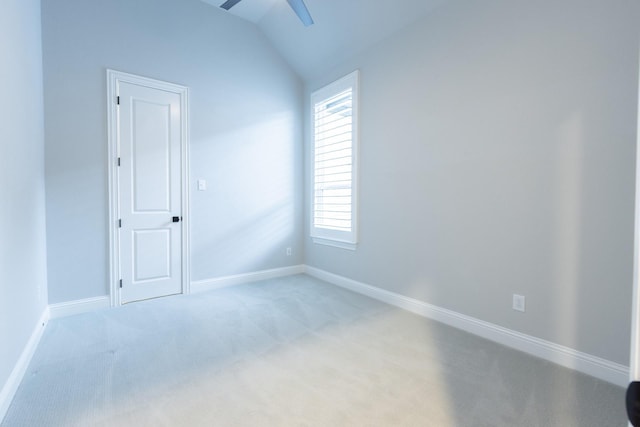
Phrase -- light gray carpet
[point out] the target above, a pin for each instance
(292, 352)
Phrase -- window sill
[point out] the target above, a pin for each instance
(335, 243)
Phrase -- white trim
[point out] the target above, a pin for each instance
(335, 243)
(634, 374)
(70, 308)
(13, 382)
(591, 365)
(112, 152)
(114, 78)
(352, 81)
(239, 279)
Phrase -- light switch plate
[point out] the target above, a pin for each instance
(202, 185)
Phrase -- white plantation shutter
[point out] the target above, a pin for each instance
(334, 162)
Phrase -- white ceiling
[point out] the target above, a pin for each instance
(342, 28)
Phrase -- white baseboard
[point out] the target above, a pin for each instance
(239, 279)
(11, 386)
(70, 308)
(591, 365)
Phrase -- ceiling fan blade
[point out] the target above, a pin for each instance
(301, 10)
(229, 4)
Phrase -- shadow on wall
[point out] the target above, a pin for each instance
(249, 214)
(248, 245)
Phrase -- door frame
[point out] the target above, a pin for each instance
(114, 79)
(634, 359)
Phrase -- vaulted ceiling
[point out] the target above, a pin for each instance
(342, 28)
(251, 10)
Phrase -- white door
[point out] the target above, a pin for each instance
(149, 192)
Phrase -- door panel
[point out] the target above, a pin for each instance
(151, 156)
(150, 192)
(152, 255)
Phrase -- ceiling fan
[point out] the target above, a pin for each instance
(298, 7)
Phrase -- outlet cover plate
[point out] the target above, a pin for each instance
(518, 303)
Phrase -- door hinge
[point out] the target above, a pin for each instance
(119, 223)
(118, 161)
(118, 100)
(120, 283)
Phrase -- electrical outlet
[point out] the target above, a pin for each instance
(288, 251)
(518, 303)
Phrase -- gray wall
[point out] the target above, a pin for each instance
(498, 157)
(245, 134)
(23, 284)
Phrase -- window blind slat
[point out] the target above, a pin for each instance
(326, 138)
(327, 117)
(335, 144)
(338, 160)
(334, 183)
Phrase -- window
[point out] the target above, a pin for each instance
(334, 154)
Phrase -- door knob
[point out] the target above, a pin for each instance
(177, 219)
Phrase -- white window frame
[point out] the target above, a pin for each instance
(325, 236)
